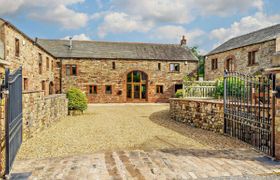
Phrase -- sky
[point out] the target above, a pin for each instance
(205, 23)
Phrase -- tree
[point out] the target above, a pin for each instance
(201, 60)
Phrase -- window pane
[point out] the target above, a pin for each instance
(108, 89)
(136, 91)
(172, 67)
(68, 70)
(74, 70)
(136, 76)
(143, 91)
(177, 67)
(129, 91)
(129, 79)
(90, 89)
(95, 89)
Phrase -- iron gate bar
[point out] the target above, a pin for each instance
(13, 117)
(248, 113)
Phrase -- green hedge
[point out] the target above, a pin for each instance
(77, 100)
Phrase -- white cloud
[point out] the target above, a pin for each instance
(120, 22)
(183, 11)
(175, 11)
(82, 37)
(174, 34)
(141, 16)
(55, 11)
(245, 25)
(225, 8)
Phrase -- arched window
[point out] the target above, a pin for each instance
(230, 64)
(137, 85)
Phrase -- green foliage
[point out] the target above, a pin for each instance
(201, 61)
(235, 87)
(179, 93)
(77, 100)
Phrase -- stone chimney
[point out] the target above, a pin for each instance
(70, 43)
(183, 41)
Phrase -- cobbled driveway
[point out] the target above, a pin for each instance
(136, 141)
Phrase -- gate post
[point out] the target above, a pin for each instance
(225, 97)
(277, 120)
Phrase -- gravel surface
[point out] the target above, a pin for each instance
(120, 127)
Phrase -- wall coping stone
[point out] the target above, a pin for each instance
(30, 92)
(55, 96)
(198, 100)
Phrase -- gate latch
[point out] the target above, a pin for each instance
(277, 92)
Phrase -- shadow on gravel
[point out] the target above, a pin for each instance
(221, 146)
(214, 140)
(20, 176)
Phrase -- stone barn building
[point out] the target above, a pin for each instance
(249, 53)
(120, 71)
(106, 71)
(17, 49)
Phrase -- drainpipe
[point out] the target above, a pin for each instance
(60, 76)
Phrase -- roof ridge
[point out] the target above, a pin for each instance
(271, 30)
(255, 31)
(120, 42)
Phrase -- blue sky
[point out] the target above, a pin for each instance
(205, 23)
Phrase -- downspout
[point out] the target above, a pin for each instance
(60, 76)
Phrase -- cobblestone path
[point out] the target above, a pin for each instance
(156, 164)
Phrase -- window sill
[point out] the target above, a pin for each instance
(251, 65)
(177, 72)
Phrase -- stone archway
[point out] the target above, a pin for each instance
(136, 86)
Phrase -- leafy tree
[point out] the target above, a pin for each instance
(201, 60)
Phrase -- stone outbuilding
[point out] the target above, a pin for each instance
(248, 54)
(121, 71)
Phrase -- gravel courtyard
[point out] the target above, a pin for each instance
(111, 127)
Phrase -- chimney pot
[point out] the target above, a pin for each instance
(70, 43)
(183, 41)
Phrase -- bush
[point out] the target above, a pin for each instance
(77, 100)
(179, 93)
(235, 87)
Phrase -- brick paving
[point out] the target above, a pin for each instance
(156, 164)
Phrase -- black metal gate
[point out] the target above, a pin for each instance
(13, 123)
(249, 109)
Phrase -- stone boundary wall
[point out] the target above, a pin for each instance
(205, 114)
(41, 111)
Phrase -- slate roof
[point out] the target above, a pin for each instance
(116, 50)
(255, 37)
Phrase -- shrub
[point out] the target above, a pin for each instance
(235, 87)
(77, 100)
(179, 93)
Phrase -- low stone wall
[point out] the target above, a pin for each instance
(205, 114)
(41, 111)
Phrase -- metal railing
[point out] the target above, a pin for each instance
(200, 89)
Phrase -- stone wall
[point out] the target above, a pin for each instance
(205, 114)
(41, 111)
(100, 73)
(264, 55)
